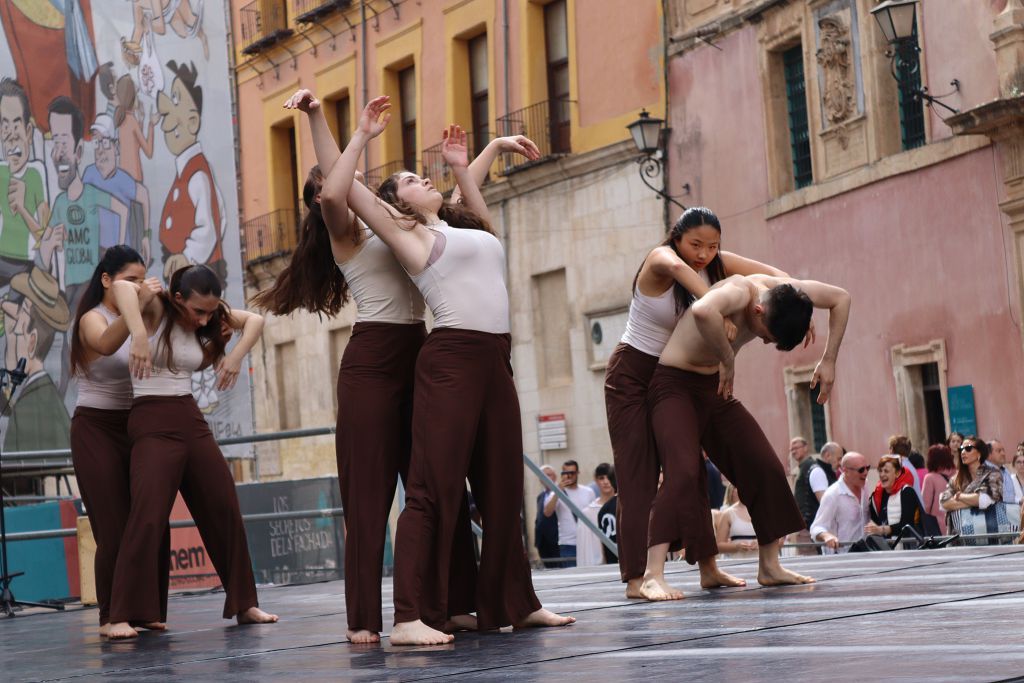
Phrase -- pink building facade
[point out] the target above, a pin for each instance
(919, 225)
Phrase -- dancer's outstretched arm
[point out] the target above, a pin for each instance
(251, 325)
(140, 361)
(741, 265)
(324, 145)
(410, 241)
(102, 339)
(456, 154)
(481, 165)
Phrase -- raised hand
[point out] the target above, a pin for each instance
(375, 116)
(148, 291)
(304, 100)
(454, 150)
(519, 144)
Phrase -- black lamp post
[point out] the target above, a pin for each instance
(896, 19)
(647, 136)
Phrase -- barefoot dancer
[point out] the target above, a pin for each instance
(674, 273)
(692, 407)
(332, 261)
(173, 447)
(100, 447)
(466, 413)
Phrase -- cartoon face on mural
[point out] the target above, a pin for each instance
(82, 159)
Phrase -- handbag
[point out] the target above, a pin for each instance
(998, 518)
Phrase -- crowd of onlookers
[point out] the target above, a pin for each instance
(964, 486)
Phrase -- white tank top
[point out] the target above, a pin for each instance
(188, 357)
(652, 319)
(382, 290)
(465, 285)
(108, 385)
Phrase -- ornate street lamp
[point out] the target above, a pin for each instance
(647, 136)
(896, 19)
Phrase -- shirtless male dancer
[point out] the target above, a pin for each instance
(692, 407)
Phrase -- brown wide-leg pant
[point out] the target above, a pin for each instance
(466, 422)
(373, 444)
(172, 449)
(626, 382)
(100, 453)
(686, 414)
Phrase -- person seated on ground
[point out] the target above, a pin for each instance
(894, 503)
(940, 469)
(976, 484)
(588, 545)
(733, 530)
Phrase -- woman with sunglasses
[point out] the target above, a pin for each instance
(976, 484)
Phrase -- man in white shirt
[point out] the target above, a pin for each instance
(843, 511)
(580, 497)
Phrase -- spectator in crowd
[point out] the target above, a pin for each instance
(545, 528)
(917, 462)
(843, 512)
(829, 459)
(1020, 448)
(900, 445)
(894, 503)
(716, 489)
(608, 522)
(813, 478)
(588, 545)
(734, 531)
(1017, 477)
(940, 469)
(997, 458)
(976, 484)
(580, 497)
(953, 441)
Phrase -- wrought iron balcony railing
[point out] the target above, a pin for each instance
(546, 123)
(312, 11)
(376, 176)
(435, 168)
(264, 22)
(271, 234)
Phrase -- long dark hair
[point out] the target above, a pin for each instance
(116, 259)
(694, 217)
(452, 213)
(963, 472)
(195, 279)
(311, 280)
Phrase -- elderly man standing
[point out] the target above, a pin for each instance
(843, 511)
(997, 457)
(813, 478)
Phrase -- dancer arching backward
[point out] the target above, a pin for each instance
(334, 260)
(172, 446)
(100, 447)
(674, 273)
(466, 412)
(692, 407)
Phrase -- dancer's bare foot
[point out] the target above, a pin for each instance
(719, 579)
(151, 625)
(254, 615)
(633, 588)
(544, 618)
(418, 633)
(362, 636)
(780, 576)
(119, 631)
(460, 622)
(655, 589)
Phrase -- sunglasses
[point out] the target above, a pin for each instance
(967, 448)
(862, 470)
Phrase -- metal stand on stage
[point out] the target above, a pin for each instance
(7, 601)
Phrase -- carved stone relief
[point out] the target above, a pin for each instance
(835, 61)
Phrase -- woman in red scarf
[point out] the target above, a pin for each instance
(894, 503)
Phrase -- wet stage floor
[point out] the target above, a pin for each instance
(946, 615)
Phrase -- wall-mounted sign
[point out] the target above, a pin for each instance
(961, 409)
(551, 432)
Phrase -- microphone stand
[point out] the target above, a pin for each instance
(7, 601)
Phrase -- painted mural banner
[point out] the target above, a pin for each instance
(115, 120)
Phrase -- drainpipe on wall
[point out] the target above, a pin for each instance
(666, 215)
(366, 85)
